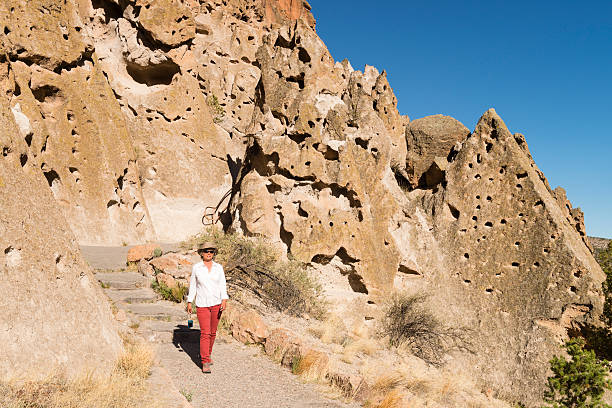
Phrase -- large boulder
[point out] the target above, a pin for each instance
(428, 138)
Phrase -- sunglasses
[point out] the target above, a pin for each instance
(207, 251)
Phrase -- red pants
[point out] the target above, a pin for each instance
(209, 319)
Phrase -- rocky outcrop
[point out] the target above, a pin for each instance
(52, 313)
(430, 141)
(143, 116)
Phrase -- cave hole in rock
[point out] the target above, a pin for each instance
(573, 289)
(517, 244)
(6, 30)
(111, 10)
(488, 224)
(299, 80)
(362, 143)
(489, 199)
(478, 207)
(521, 175)
(478, 158)
(454, 211)
(516, 264)
(17, 91)
(408, 271)
(111, 203)
(467, 281)
(539, 203)
(477, 177)
(298, 137)
(474, 218)
(23, 159)
(489, 290)
(519, 186)
(470, 165)
(303, 55)
(331, 154)
(8, 250)
(5, 151)
(466, 255)
(503, 221)
(578, 274)
(52, 177)
(44, 92)
(273, 188)
(158, 74)
(489, 147)
(285, 236)
(536, 264)
(302, 212)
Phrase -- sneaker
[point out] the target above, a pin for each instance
(206, 368)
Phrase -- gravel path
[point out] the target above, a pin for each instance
(242, 376)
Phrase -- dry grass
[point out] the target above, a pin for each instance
(313, 366)
(125, 387)
(360, 346)
(332, 330)
(393, 399)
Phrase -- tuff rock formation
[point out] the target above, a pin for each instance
(144, 116)
(52, 311)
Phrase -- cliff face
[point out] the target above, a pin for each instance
(52, 312)
(142, 114)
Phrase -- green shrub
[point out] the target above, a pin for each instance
(605, 260)
(406, 321)
(157, 252)
(173, 294)
(253, 265)
(216, 109)
(579, 382)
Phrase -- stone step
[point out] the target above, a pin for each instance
(158, 311)
(122, 280)
(142, 295)
(169, 332)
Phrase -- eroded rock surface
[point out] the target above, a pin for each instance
(138, 117)
(52, 311)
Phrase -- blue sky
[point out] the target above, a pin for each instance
(546, 68)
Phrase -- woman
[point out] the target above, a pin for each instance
(208, 287)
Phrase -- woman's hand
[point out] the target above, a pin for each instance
(189, 310)
(223, 304)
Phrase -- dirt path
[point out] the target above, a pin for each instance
(242, 377)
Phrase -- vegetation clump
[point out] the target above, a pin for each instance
(579, 382)
(174, 294)
(216, 109)
(605, 261)
(406, 322)
(253, 265)
(125, 387)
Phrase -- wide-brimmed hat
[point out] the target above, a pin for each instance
(207, 245)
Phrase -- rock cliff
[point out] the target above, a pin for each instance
(52, 312)
(143, 116)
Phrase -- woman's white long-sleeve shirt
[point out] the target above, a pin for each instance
(208, 288)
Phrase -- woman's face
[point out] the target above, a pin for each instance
(207, 254)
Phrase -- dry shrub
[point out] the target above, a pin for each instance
(330, 330)
(125, 387)
(354, 347)
(136, 361)
(313, 366)
(406, 322)
(393, 399)
(254, 265)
